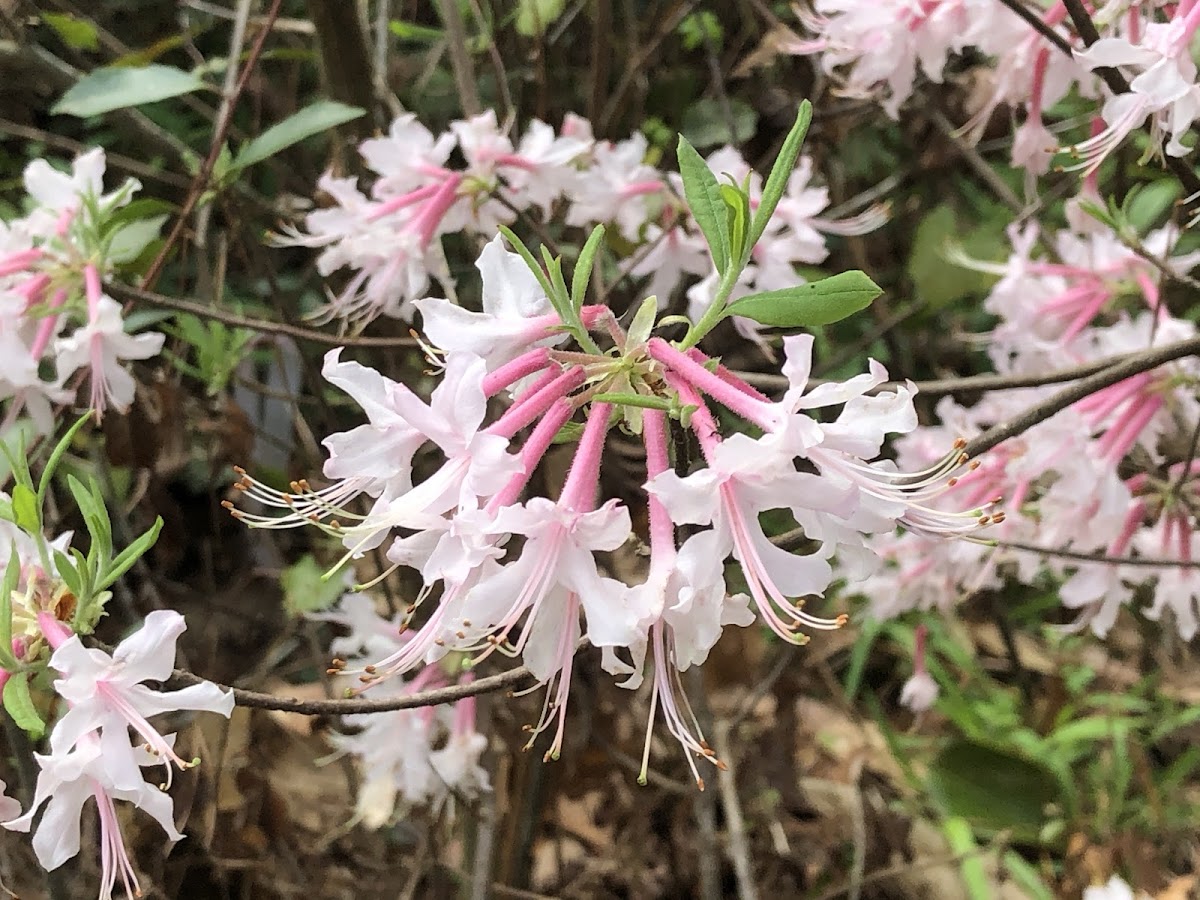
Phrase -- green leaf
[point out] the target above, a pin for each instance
(859, 654)
(535, 16)
(962, 843)
(538, 272)
(56, 456)
(1148, 203)
(737, 213)
(639, 400)
(91, 505)
(12, 575)
(1026, 876)
(19, 703)
(127, 243)
(78, 34)
(104, 90)
(25, 509)
(707, 122)
(570, 433)
(993, 788)
(131, 554)
(583, 267)
(938, 282)
(313, 119)
(410, 31)
(807, 305)
(703, 196)
(643, 322)
(68, 572)
(780, 173)
(557, 283)
(306, 590)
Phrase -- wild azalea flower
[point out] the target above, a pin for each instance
(522, 575)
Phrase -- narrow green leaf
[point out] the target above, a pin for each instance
(1026, 876)
(859, 654)
(91, 505)
(78, 34)
(780, 172)
(104, 90)
(538, 272)
(68, 573)
(12, 575)
(808, 305)
(570, 433)
(557, 282)
(703, 196)
(127, 557)
(131, 554)
(56, 456)
(640, 400)
(26, 509)
(962, 843)
(313, 119)
(643, 322)
(582, 275)
(737, 214)
(410, 31)
(87, 575)
(19, 703)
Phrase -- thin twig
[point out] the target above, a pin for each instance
(1035, 21)
(133, 166)
(218, 141)
(967, 384)
(978, 164)
(351, 706)
(1040, 412)
(739, 847)
(265, 326)
(704, 802)
(460, 57)
(1118, 85)
(1150, 562)
(228, 98)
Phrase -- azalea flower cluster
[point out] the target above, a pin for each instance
(391, 240)
(104, 741)
(55, 318)
(1112, 477)
(507, 570)
(876, 50)
(396, 749)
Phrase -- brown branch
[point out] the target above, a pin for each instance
(1118, 85)
(1063, 553)
(346, 707)
(218, 141)
(967, 384)
(345, 59)
(1135, 364)
(1036, 23)
(204, 311)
